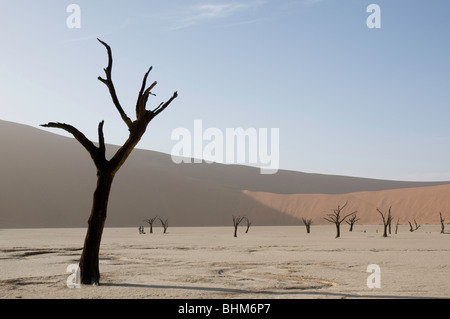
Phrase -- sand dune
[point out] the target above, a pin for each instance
(47, 180)
(423, 204)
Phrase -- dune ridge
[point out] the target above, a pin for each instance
(47, 180)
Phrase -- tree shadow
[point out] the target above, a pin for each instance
(305, 292)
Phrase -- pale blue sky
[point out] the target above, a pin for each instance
(348, 100)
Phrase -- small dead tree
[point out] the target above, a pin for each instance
(413, 228)
(150, 222)
(307, 223)
(336, 218)
(164, 224)
(442, 223)
(396, 225)
(387, 218)
(352, 220)
(248, 224)
(236, 222)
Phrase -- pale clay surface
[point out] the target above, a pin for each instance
(208, 262)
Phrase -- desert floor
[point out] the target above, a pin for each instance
(208, 262)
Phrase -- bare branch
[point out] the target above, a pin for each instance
(163, 106)
(346, 217)
(141, 91)
(109, 83)
(382, 216)
(101, 139)
(341, 208)
(331, 219)
(80, 137)
(143, 100)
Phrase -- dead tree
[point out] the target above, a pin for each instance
(442, 223)
(387, 218)
(396, 225)
(150, 222)
(164, 224)
(352, 220)
(337, 219)
(107, 169)
(307, 223)
(248, 224)
(411, 228)
(236, 222)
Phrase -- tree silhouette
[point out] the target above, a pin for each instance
(164, 224)
(352, 220)
(236, 222)
(396, 225)
(411, 228)
(442, 223)
(107, 169)
(387, 218)
(336, 218)
(150, 222)
(248, 224)
(307, 223)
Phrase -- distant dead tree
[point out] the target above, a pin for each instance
(248, 224)
(442, 223)
(396, 225)
(107, 169)
(411, 228)
(307, 223)
(150, 222)
(352, 220)
(236, 222)
(387, 218)
(164, 224)
(336, 218)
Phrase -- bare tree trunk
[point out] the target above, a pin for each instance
(338, 230)
(236, 222)
(442, 223)
(387, 218)
(89, 261)
(385, 230)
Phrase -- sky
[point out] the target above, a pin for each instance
(347, 99)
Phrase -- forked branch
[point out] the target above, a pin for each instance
(97, 153)
(413, 228)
